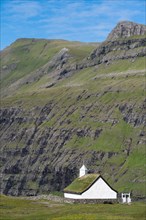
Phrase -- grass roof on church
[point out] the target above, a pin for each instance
(81, 184)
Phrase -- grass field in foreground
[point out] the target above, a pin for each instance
(20, 209)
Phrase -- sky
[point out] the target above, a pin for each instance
(77, 20)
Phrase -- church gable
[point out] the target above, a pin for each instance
(100, 190)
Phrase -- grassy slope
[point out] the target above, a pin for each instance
(111, 140)
(82, 90)
(15, 208)
(31, 54)
(86, 80)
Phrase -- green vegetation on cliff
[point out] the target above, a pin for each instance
(59, 107)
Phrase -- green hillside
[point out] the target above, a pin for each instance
(27, 55)
(55, 116)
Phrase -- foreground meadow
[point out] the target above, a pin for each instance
(14, 208)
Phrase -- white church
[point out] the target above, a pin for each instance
(92, 186)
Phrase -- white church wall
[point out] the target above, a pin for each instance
(72, 196)
(100, 190)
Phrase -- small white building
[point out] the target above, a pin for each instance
(90, 186)
(125, 198)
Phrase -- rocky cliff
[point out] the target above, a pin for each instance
(72, 102)
(126, 29)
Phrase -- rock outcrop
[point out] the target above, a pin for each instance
(126, 29)
(117, 50)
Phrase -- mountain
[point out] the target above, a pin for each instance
(126, 29)
(65, 102)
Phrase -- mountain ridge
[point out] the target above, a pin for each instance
(61, 106)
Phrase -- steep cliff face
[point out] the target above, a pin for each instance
(41, 152)
(78, 102)
(116, 50)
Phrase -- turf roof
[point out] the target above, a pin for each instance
(81, 184)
